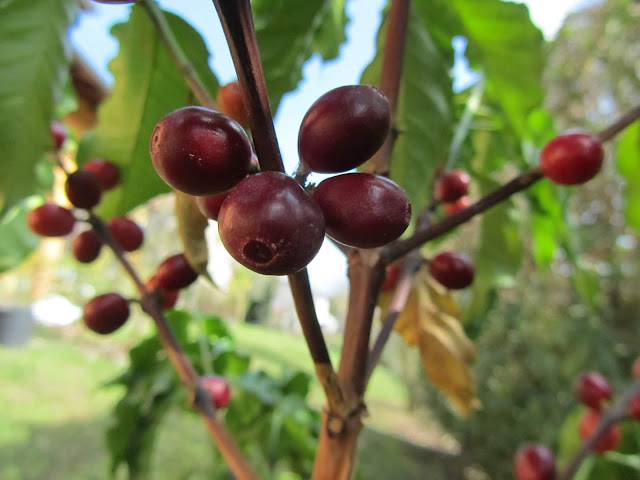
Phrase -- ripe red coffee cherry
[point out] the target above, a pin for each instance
(107, 173)
(210, 205)
(362, 209)
(454, 270)
(572, 158)
(58, 134)
(634, 407)
(593, 390)
(106, 313)
(534, 461)
(83, 189)
(588, 424)
(51, 220)
(168, 298)
(231, 102)
(86, 246)
(452, 186)
(127, 233)
(219, 389)
(175, 272)
(270, 225)
(451, 208)
(391, 277)
(199, 151)
(344, 128)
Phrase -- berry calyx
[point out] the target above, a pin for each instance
(58, 134)
(270, 225)
(218, 388)
(362, 209)
(231, 102)
(344, 128)
(451, 208)
(534, 461)
(126, 233)
(83, 189)
(452, 186)
(86, 246)
(211, 204)
(106, 313)
(199, 151)
(593, 390)
(454, 270)
(175, 273)
(572, 158)
(168, 298)
(51, 220)
(107, 173)
(589, 423)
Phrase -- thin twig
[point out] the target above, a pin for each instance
(620, 124)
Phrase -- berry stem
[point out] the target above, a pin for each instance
(617, 412)
(392, 64)
(620, 124)
(177, 54)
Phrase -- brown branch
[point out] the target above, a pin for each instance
(620, 124)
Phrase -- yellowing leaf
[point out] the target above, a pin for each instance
(191, 228)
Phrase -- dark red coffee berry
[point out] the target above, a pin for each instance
(634, 407)
(175, 272)
(106, 313)
(344, 128)
(86, 246)
(58, 134)
(51, 220)
(362, 209)
(83, 189)
(210, 205)
(588, 425)
(200, 151)
(219, 389)
(454, 270)
(127, 233)
(534, 461)
(231, 102)
(572, 158)
(451, 208)
(270, 225)
(168, 298)
(452, 186)
(107, 173)
(593, 390)
(391, 277)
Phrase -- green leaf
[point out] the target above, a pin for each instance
(628, 155)
(18, 241)
(289, 32)
(424, 116)
(34, 64)
(148, 85)
(631, 461)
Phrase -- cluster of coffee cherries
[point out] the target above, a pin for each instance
(535, 461)
(266, 220)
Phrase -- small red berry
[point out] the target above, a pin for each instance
(127, 233)
(83, 189)
(51, 220)
(588, 424)
(454, 270)
(452, 186)
(572, 158)
(451, 208)
(635, 370)
(107, 173)
(86, 246)
(634, 407)
(168, 297)
(219, 389)
(211, 204)
(535, 462)
(391, 277)
(176, 272)
(58, 134)
(106, 313)
(231, 102)
(593, 390)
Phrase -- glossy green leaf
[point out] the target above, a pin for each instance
(628, 155)
(34, 65)
(289, 32)
(148, 85)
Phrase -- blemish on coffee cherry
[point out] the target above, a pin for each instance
(257, 252)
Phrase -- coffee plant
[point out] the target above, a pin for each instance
(431, 163)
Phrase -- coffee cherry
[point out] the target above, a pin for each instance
(362, 209)
(270, 225)
(634, 407)
(210, 205)
(452, 186)
(593, 390)
(344, 128)
(86, 246)
(451, 208)
(107, 173)
(199, 151)
(635, 370)
(168, 298)
(175, 272)
(454, 270)
(391, 277)
(83, 189)
(51, 220)
(231, 102)
(572, 158)
(219, 389)
(535, 462)
(587, 426)
(106, 313)
(126, 233)
(58, 134)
